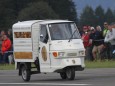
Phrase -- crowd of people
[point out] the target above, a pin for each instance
(99, 43)
(6, 49)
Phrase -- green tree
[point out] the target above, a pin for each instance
(64, 8)
(99, 14)
(87, 17)
(7, 14)
(114, 15)
(15, 10)
(39, 10)
(21, 4)
(109, 17)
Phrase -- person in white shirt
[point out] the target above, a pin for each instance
(110, 37)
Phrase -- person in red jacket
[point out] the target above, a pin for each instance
(6, 46)
(87, 44)
(85, 38)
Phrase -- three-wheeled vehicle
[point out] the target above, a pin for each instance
(46, 46)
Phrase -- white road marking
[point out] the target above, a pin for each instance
(8, 75)
(45, 84)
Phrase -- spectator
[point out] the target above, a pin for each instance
(85, 29)
(105, 29)
(6, 46)
(110, 37)
(98, 42)
(9, 35)
(0, 48)
(91, 37)
(2, 33)
(107, 44)
(85, 38)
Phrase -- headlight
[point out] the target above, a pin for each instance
(81, 53)
(58, 54)
(61, 54)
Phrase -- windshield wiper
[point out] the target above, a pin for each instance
(72, 35)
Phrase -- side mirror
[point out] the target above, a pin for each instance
(41, 36)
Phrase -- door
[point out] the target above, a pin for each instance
(44, 49)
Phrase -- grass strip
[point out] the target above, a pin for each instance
(89, 64)
(7, 66)
(100, 64)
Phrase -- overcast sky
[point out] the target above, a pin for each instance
(80, 4)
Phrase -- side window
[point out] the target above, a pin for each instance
(44, 34)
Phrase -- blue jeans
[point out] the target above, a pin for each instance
(0, 58)
(112, 51)
(5, 57)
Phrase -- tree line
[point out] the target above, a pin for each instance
(12, 11)
(96, 17)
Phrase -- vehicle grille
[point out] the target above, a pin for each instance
(72, 54)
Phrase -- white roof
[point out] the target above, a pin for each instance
(29, 23)
(53, 21)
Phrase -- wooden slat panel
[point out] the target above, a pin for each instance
(22, 34)
(23, 55)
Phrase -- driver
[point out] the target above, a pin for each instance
(55, 32)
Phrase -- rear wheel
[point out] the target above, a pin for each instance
(63, 75)
(25, 73)
(70, 73)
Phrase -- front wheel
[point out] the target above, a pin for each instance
(63, 75)
(70, 73)
(25, 73)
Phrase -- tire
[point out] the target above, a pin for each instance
(70, 73)
(25, 73)
(63, 75)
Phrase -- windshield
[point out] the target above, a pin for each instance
(63, 31)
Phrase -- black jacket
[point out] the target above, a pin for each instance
(98, 38)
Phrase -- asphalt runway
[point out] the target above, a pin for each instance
(88, 77)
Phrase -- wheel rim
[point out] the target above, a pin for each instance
(24, 73)
(68, 73)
